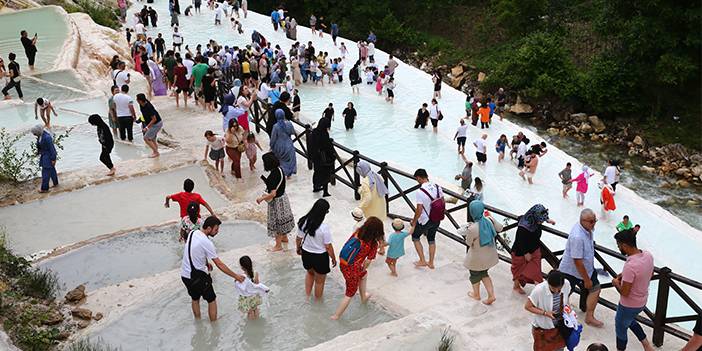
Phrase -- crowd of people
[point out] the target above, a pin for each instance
(244, 83)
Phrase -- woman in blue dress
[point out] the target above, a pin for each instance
(282, 145)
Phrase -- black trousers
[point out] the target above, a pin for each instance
(321, 177)
(125, 128)
(105, 158)
(30, 58)
(13, 84)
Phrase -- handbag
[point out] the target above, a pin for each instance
(547, 339)
(240, 147)
(201, 280)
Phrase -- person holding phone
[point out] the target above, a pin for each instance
(30, 47)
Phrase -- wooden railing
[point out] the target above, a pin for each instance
(668, 281)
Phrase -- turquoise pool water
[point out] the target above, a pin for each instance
(48, 22)
(67, 77)
(21, 116)
(139, 254)
(288, 321)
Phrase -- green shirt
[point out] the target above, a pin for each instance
(199, 71)
(621, 226)
(169, 63)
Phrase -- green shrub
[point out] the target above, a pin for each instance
(39, 283)
(15, 166)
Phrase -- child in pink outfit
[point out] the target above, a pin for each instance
(581, 188)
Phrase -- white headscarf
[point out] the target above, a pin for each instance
(374, 179)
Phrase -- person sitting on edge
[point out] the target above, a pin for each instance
(186, 197)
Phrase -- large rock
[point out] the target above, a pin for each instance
(456, 81)
(481, 76)
(638, 140)
(82, 313)
(76, 295)
(597, 124)
(648, 169)
(579, 117)
(53, 318)
(521, 108)
(585, 128)
(697, 170)
(457, 71)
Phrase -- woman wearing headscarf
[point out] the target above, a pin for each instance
(355, 77)
(321, 152)
(581, 188)
(293, 29)
(282, 145)
(482, 253)
(158, 84)
(235, 145)
(373, 191)
(296, 73)
(280, 217)
(106, 140)
(526, 250)
(236, 86)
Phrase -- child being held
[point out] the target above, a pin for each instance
(249, 289)
(251, 144)
(215, 150)
(396, 245)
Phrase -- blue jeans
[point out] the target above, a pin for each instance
(46, 173)
(626, 319)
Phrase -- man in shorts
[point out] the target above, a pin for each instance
(195, 268)
(420, 222)
(578, 264)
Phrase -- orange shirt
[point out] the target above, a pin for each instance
(484, 113)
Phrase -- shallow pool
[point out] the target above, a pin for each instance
(67, 77)
(55, 221)
(48, 22)
(288, 321)
(70, 113)
(140, 254)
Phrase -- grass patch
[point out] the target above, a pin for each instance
(39, 283)
(447, 340)
(101, 14)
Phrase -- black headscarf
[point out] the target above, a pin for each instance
(103, 131)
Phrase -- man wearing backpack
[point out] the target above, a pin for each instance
(430, 211)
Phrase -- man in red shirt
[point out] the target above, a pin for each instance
(186, 197)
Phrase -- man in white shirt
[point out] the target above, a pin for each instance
(177, 39)
(546, 302)
(195, 268)
(521, 152)
(461, 135)
(126, 115)
(139, 29)
(263, 90)
(427, 193)
(188, 63)
(481, 149)
(120, 76)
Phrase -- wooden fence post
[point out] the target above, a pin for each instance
(661, 307)
(356, 176)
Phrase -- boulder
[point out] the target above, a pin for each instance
(638, 140)
(692, 203)
(76, 295)
(456, 81)
(597, 124)
(682, 171)
(481, 76)
(98, 316)
(696, 171)
(82, 324)
(579, 117)
(552, 131)
(82, 313)
(648, 169)
(457, 71)
(585, 128)
(521, 108)
(682, 183)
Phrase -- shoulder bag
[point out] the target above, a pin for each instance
(198, 279)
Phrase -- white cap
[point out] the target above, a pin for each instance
(357, 214)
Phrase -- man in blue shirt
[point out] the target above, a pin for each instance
(47, 157)
(578, 263)
(275, 18)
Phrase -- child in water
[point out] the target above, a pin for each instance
(396, 245)
(251, 144)
(250, 290)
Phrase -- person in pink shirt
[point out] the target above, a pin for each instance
(632, 284)
(581, 188)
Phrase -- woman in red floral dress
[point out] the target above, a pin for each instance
(355, 274)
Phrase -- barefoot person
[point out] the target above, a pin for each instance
(633, 285)
(151, 123)
(566, 175)
(45, 109)
(362, 246)
(425, 222)
(280, 216)
(185, 197)
(30, 47)
(250, 290)
(578, 263)
(106, 140)
(314, 245)
(195, 268)
(526, 250)
(482, 253)
(396, 245)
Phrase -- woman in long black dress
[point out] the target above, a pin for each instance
(321, 152)
(106, 140)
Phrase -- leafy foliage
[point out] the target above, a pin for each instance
(18, 165)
